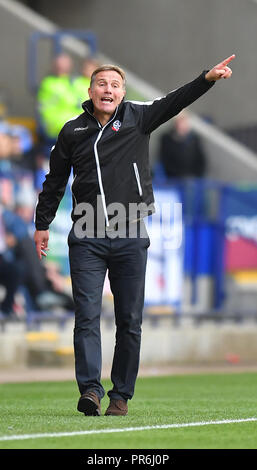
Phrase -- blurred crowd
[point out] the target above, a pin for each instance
(26, 284)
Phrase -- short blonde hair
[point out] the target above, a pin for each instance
(107, 67)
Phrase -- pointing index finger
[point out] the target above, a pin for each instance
(226, 61)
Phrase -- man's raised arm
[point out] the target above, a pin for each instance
(155, 113)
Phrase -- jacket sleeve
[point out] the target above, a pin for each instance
(155, 113)
(54, 184)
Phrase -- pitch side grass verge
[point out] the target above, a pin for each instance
(50, 408)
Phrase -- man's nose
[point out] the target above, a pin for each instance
(108, 88)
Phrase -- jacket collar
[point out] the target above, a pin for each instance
(89, 107)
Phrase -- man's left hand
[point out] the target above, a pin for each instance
(220, 70)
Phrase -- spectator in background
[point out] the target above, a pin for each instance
(20, 269)
(81, 83)
(181, 153)
(10, 274)
(23, 152)
(16, 148)
(5, 143)
(56, 99)
(42, 289)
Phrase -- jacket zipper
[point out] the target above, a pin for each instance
(98, 168)
(138, 179)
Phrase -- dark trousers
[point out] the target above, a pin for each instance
(125, 260)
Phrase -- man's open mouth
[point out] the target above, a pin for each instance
(106, 99)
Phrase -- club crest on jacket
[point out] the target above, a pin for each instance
(116, 125)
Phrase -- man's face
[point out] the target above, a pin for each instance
(63, 65)
(106, 92)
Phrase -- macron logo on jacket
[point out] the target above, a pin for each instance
(81, 129)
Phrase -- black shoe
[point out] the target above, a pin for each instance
(89, 404)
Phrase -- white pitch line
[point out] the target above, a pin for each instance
(131, 429)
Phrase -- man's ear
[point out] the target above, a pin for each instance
(89, 93)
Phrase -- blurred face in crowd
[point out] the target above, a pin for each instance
(106, 92)
(16, 146)
(88, 67)
(182, 124)
(10, 146)
(25, 212)
(63, 65)
(5, 146)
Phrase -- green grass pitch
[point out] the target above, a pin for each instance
(50, 407)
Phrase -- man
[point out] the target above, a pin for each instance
(56, 98)
(82, 82)
(181, 152)
(107, 147)
(10, 273)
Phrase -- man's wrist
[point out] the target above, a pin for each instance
(41, 228)
(207, 76)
